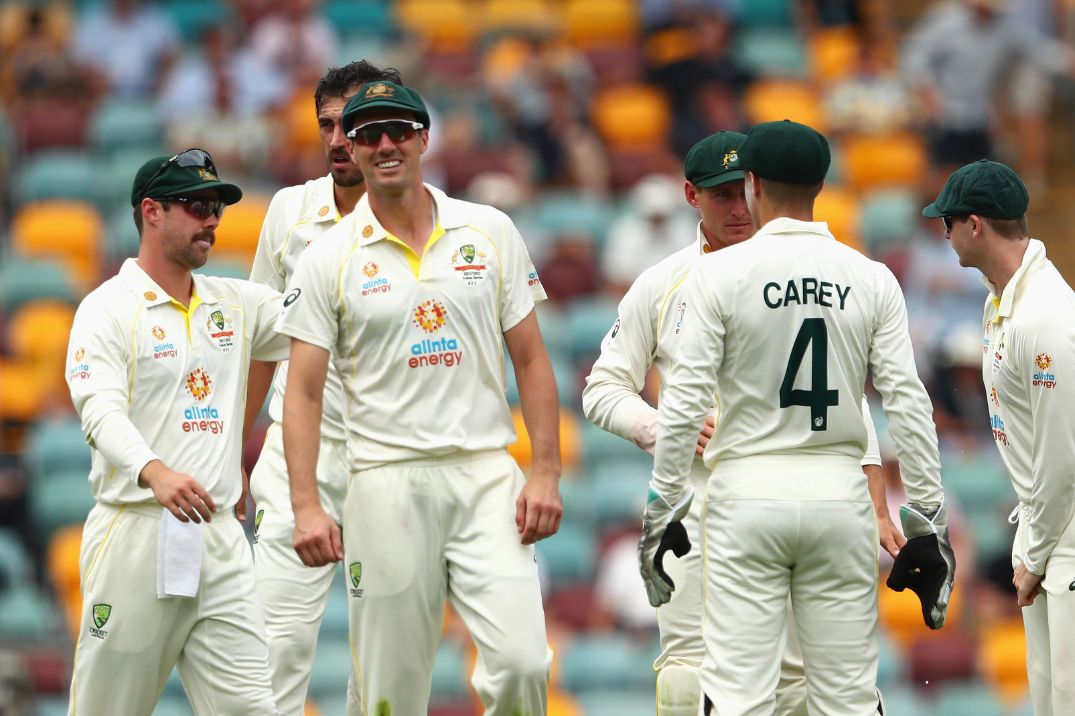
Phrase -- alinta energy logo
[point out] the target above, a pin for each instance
(375, 284)
(997, 425)
(79, 369)
(1043, 378)
(201, 418)
(162, 348)
(431, 316)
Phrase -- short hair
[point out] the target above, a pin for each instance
(783, 193)
(138, 216)
(338, 80)
(1008, 228)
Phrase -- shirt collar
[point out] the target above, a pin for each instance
(786, 225)
(450, 215)
(151, 293)
(1032, 258)
(324, 199)
(702, 243)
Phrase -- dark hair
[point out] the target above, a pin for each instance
(1008, 228)
(338, 81)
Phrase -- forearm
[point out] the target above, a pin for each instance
(541, 412)
(257, 387)
(620, 411)
(302, 440)
(111, 432)
(875, 482)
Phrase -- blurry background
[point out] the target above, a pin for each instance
(573, 116)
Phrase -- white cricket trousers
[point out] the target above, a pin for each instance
(129, 639)
(798, 525)
(293, 596)
(418, 532)
(1050, 627)
(680, 624)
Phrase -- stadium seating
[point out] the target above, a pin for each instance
(193, 17)
(15, 567)
(765, 13)
(507, 16)
(605, 661)
(619, 489)
(840, 210)
(450, 674)
(771, 100)
(56, 446)
(631, 115)
(593, 23)
(237, 236)
(568, 556)
(69, 232)
(26, 614)
(969, 699)
(24, 389)
(889, 220)
(61, 561)
(59, 499)
(125, 125)
(877, 161)
(360, 18)
(332, 668)
(121, 236)
(58, 174)
(772, 53)
(600, 447)
(588, 320)
(444, 24)
(573, 212)
(617, 702)
(1002, 658)
(833, 52)
(38, 332)
(522, 451)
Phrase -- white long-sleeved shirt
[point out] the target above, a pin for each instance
(152, 379)
(783, 327)
(1028, 368)
(298, 216)
(644, 335)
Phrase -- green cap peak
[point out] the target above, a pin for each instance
(714, 160)
(985, 188)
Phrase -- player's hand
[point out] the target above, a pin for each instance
(317, 537)
(1027, 585)
(538, 509)
(706, 435)
(180, 493)
(662, 530)
(892, 540)
(240, 506)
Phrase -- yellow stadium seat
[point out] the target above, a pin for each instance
(570, 443)
(834, 53)
(1002, 659)
(893, 160)
(774, 100)
(504, 58)
(596, 23)
(237, 235)
(841, 210)
(444, 24)
(68, 231)
(900, 614)
(23, 389)
(38, 332)
(669, 45)
(631, 116)
(62, 563)
(300, 124)
(524, 15)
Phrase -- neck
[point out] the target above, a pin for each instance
(177, 282)
(1001, 264)
(407, 214)
(710, 237)
(347, 196)
(767, 212)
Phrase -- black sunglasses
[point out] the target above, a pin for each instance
(199, 208)
(188, 158)
(398, 130)
(947, 221)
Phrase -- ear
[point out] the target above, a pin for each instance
(977, 226)
(424, 134)
(751, 185)
(690, 191)
(152, 211)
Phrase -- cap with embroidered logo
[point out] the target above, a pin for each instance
(714, 160)
(786, 152)
(178, 175)
(985, 188)
(383, 94)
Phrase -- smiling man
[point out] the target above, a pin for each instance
(294, 596)
(157, 368)
(435, 506)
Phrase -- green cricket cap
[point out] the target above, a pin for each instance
(786, 152)
(714, 160)
(180, 174)
(383, 94)
(985, 188)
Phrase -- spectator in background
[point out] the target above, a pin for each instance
(296, 41)
(131, 44)
(38, 67)
(652, 227)
(873, 99)
(954, 57)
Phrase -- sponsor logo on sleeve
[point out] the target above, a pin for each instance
(993, 397)
(100, 613)
(615, 330)
(532, 278)
(292, 297)
(1043, 378)
(997, 425)
(79, 368)
(161, 347)
(376, 282)
(470, 264)
(431, 316)
(201, 417)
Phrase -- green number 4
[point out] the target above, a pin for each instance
(812, 333)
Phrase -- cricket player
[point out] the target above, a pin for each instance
(1029, 346)
(435, 506)
(293, 595)
(783, 328)
(157, 368)
(643, 336)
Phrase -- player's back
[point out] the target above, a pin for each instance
(799, 311)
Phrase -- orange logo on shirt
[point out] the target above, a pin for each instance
(993, 396)
(80, 354)
(1043, 361)
(158, 333)
(371, 269)
(430, 316)
(199, 385)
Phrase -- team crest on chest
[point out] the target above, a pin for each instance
(470, 263)
(220, 330)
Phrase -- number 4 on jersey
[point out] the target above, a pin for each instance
(812, 333)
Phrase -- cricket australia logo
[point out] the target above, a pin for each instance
(199, 384)
(730, 159)
(355, 572)
(100, 612)
(470, 264)
(219, 327)
(257, 524)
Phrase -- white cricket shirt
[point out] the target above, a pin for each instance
(1028, 368)
(418, 341)
(297, 216)
(151, 379)
(783, 327)
(648, 322)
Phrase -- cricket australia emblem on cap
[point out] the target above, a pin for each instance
(206, 175)
(379, 90)
(730, 158)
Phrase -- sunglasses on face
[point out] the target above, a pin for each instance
(188, 158)
(947, 221)
(199, 208)
(398, 131)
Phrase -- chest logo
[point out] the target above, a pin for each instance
(376, 283)
(430, 316)
(470, 263)
(199, 384)
(159, 333)
(220, 330)
(161, 347)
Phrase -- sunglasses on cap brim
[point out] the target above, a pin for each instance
(193, 157)
(398, 130)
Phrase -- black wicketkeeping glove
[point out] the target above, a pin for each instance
(925, 565)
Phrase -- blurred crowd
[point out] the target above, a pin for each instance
(574, 117)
